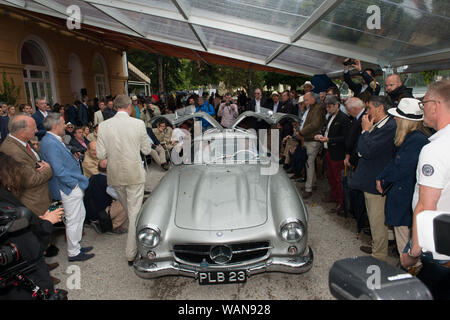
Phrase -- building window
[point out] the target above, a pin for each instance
(36, 74)
(100, 77)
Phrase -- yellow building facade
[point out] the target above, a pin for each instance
(48, 61)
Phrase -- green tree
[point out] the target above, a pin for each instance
(147, 62)
(9, 92)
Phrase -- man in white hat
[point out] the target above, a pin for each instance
(135, 113)
(275, 101)
(432, 190)
(307, 87)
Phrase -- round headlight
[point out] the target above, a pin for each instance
(292, 231)
(148, 237)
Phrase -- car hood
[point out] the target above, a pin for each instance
(221, 197)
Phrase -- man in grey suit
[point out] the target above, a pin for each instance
(120, 140)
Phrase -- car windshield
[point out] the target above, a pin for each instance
(227, 149)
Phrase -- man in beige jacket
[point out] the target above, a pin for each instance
(120, 140)
(90, 161)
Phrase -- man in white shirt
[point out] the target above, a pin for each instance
(432, 190)
(98, 115)
(39, 116)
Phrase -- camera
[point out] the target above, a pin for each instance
(349, 62)
(75, 150)
(56, 205)
(14, 271)
(227, 104)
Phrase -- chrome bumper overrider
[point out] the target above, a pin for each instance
(150, 270)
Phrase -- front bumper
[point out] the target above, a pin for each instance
(151, 270)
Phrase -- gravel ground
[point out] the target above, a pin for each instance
(108, 276)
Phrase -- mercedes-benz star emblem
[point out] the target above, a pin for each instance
(221, 254)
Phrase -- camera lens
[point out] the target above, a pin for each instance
(8, 254)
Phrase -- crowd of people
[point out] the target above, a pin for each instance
(370, 146)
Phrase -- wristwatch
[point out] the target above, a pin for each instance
(411, 256)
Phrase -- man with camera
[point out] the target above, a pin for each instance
(368, 85)
(68, 185)
(228, 111)
(23, 238)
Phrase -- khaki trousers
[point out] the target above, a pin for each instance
(375, 212)
(402, 235)
(131, 198)
(159, 155)
(117, 214)
(312, 149)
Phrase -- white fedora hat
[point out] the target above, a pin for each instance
(307, 83)
(408, 108)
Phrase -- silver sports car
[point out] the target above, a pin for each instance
(227, 215)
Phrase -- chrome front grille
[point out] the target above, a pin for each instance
(241, 252)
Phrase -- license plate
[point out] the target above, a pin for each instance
(222, 277)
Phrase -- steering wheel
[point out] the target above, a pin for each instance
(251, 152)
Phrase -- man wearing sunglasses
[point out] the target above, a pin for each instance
(432, 190)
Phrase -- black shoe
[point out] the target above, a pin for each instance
(286, 166)
(306, 195)
(82, 257)
(282, 160)
(290, 170)
(366, 249)
(96, 226)
(367, 231)
(130, 263)
(85, 249)
(118, 230)
(51, 251)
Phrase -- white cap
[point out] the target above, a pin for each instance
(408, 108)
(275, 93)
(301, 99)
(307, 83)
(134, 98)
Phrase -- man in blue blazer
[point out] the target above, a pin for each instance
(67, 184)
(375, 150)
(39, 116)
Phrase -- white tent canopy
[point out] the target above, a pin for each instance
(302, 36)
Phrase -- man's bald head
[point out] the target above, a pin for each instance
(23, 127)
(309, 98)
(354, 106)
(393, 82)
(92, 148)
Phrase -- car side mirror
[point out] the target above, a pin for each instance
(367, 278)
